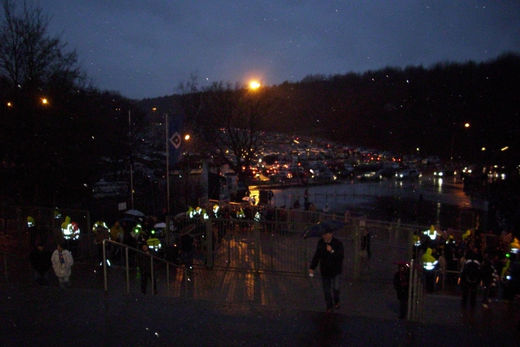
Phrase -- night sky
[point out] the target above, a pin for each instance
(145, 48)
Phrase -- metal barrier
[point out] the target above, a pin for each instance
(415, 293)
(128, 263)
(14, 229)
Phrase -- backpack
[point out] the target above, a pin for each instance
(472, 272)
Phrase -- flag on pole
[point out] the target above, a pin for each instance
(174, 138)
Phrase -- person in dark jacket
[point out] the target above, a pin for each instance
(329, 255)
(144, 264)
(470, 278)
(401, 286)
(41, 264)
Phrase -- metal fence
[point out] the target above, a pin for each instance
(275, 243)
(16, 237)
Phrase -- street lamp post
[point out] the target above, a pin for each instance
(466, 125)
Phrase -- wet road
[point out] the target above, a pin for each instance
(425, 201)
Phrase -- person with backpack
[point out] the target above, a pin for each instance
(470, 279)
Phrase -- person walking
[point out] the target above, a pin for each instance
(144, 264)
(329, 255)
(401, 286)
(470, 278)
(41, 263)
(62, 262)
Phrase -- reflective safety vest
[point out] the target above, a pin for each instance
(515, 246)
(416, 240)
(429, 261)
(136, 231)
(431, 233)
(70, 229)
(99, 225)
(154, 243)
(30, 221)
(216, 208)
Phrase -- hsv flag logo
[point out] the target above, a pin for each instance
(176, 140)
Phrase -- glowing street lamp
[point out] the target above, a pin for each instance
(9, 104)
(254, 85)
(467, 125)
(187, 137)
(44, 101)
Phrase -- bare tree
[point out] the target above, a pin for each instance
(29, 57)
(228, 119)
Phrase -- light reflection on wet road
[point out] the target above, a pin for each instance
(338, 195)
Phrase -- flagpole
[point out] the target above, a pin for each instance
(131, 160)
(167, 179)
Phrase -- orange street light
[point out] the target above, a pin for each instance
(467, 125)
(254, 85)
(187, 137)
(44, 101)
(9, 104)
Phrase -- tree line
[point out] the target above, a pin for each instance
(59, 134)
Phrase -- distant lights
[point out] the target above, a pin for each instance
(483, 149)
(503, 149)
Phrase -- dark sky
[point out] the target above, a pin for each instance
(145, 48)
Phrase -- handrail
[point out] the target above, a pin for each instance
(127, 266)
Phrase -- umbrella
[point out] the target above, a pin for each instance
(187, 229)
(320, 228)
(162, 225)
(127, 219)
(135, 213)
(180, 215)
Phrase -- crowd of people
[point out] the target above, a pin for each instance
(471, 259)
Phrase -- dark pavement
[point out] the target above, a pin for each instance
(226, 308)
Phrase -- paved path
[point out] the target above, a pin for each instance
(228, 308)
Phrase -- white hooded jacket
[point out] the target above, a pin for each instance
(62, 268)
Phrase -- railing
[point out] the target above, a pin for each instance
(126, 248)
(415, 293)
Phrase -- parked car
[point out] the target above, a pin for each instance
(407, 174)
(386, 172)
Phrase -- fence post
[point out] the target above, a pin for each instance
(152, 277)
(257, 247)
(356, 250)
(127, 271)
(90, 250)
(168, 277)
(105, 266)
(411, 243)
(209, 245)
(410, 290)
